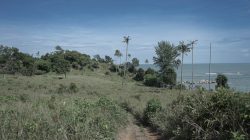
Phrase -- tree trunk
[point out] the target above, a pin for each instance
(181, 70)
(65, 75)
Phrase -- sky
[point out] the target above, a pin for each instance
(98, 26)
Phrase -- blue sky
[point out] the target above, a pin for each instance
(98, 26)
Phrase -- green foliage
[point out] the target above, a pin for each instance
(131, 68)
(135, 62)
(221, 81)
(151, 80)
(169, 76)
(108, 59)
(73, 88)
(76, 119)
(166, 56)
(153, 106)
(61, 66)
(43, 65)
(150, 71)
(12, 61)
(113, 68)
(180, 86)
(139, 75)
(221, 115)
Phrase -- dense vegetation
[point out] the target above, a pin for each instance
(91, 101)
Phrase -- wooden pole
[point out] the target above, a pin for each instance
(210, 69)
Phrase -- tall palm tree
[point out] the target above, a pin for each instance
(126, 40)
(192, 48)
(119, 55)
(183, 49)
(129, 56)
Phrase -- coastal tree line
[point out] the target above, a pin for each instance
(169, 58)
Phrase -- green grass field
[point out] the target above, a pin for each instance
(95, 105)
(49, 107)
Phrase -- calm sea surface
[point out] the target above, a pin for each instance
(238, 74)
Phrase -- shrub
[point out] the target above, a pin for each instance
(179, 86)
(152, 107)
(169, 77)
(113, 68)
(107, 73)
(131, 68)
(73, 88)
(61, 89)
(151, 80)
(220, 115)
(221, 81)
(43, 65)
(139, 75)
(150, 71)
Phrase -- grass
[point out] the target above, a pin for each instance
(91, 105)
(78, 107)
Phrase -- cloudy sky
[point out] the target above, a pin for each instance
(98, 26)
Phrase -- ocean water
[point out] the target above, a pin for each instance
(238, 74)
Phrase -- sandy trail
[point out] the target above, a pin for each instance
(135, 132)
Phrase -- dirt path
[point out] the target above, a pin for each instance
(135, 132)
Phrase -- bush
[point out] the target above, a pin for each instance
(151, 80)
(220, 115)
(179, 86)
(152, 107)
(43, 65)
(113, 68)
(139, 75)
(221, 81)
(95, 65)
(169, 77)
(73, 88)
(131, 68)
(150, 71)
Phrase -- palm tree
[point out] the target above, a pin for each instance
(119, 55)
(183, 49)
(192, 48)
(126, 40)
(129, 56)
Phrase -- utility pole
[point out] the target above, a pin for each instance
(210, 70)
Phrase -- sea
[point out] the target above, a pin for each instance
(238, 74)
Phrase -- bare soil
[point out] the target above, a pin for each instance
(135, 131)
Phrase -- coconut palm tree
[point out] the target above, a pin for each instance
(119, 55)
(183, 49)
(126, 40)
(192, 48)
(129, 56)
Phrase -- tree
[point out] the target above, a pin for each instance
(183, 49)
(139, 75)
(221, 81)
(43, 65)
(167, 60)
(192, 48)
(59, 48)
(135, 62)
(98, 58)
(61, 66)
(166, 56)
(126, 41)
(129, 56)
(146, 61)
(108, 59)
